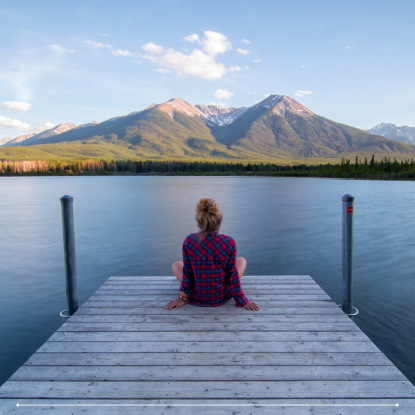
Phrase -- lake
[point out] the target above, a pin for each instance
(135, 226)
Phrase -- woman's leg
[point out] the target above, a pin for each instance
(177, 268)
(240, 265)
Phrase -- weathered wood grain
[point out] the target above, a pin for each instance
(227, 336)
(203, 346)
(193, 389)
(208, 358)
(211, 373)
(298, 355)
(218, 407)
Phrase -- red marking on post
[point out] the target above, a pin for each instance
(349, 209)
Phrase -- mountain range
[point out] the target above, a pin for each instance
(404, 134)
(278, 129)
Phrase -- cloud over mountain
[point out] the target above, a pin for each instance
(200, 62)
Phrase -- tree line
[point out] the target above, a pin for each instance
(359, 168)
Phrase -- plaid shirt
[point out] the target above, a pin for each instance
(209, 271)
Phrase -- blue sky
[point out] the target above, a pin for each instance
(80, 61)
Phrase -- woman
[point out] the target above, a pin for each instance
(210, 272)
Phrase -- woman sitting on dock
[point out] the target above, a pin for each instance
(210, 272)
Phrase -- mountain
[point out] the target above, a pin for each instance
(404, 134)
(277, 129)
(5, 140)
(19, 139)
(33, 138)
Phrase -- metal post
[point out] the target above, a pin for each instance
(347, 257)
(69, 250)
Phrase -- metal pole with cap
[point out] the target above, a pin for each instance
(69, 250)
(347, 257)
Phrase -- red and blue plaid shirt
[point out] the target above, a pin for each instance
(209, 270)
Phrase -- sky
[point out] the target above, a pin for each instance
(86, 60)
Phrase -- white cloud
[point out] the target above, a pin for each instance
(243, 51)
(13, 123)
(152, 48)
(246, 41)
(97, 45)
(162, 70)
(60, 49)
(16, 106)
(348, 47)
(223, 94)
(192, 38)
(197, 64)
(235, 68)
(200, 63)
(215, 43)
(302, 66)
(257, 60)
(120, 52)
(115, 52)
(301, 93)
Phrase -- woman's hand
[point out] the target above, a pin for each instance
(250, 305)
(175, 304)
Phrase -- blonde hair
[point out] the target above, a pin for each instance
(208, 215)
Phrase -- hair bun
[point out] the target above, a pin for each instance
(206, 205)
(208, 215)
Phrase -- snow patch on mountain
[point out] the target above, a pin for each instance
(219, 115)
(270, 101)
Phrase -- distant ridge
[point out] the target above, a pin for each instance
(391, 131)
(34, 137)
(278, 128)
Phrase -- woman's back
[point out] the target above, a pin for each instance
(209, 270)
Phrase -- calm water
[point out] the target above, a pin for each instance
(136, 225)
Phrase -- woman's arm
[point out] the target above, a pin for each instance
(235, 285)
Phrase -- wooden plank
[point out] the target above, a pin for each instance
(89, 309)
(201, 347)
(150, 303)
(209, 390)
(299, 347)
(174, 292)
(211, 373)
(217, 327)
(231, 336)
(208, 359)
(172, 317)
(213, 407)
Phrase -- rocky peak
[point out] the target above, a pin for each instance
(20, 138)
(59, 129)
(177, 105)
(5, 140)
(286, 103)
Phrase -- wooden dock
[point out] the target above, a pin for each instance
(124, 353)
